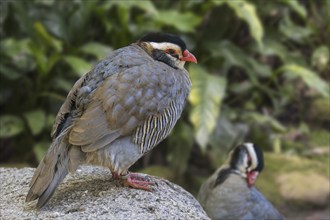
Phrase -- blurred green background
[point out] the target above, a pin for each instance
(262, 76)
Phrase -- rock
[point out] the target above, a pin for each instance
(309, 188)
(90, 193)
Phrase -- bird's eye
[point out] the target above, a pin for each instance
(170, 51)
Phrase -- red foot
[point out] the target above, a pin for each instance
(115, 176)
(137, 181)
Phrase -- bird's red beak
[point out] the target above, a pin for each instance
(252, 177)
(188, 57)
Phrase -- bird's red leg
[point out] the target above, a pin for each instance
(115, 175)
(137, 181)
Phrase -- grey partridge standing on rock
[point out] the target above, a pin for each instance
(118, 111)
(229, 193)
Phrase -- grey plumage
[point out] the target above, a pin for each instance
(115, 113)
(226, 195)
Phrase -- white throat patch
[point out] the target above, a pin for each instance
(253, 155)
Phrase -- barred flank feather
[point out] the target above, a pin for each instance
(156, 128)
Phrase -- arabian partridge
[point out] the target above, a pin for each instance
(229, 193)
(118, 111)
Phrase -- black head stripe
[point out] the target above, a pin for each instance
(260, 157)
(161, 56)
(236, 156)
(164, 37)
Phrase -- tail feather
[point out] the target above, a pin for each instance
(50, 172)
(59, 175)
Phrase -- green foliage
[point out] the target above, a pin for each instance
(247, 12)
(36, 121)
(261, 66)
(205, 98)
(309, 77)
(79, 65)
(185, 22)
(320, 58)
(10, 126)
(180, 146)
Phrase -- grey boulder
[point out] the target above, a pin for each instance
(90, 193)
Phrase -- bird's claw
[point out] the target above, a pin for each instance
(138, 181)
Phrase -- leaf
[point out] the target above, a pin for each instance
(225, 136)
(159, 170)
(50, 120)
(63, 84)
(10, 126)
(125, 7)
(235, 56)
(265, 119)
(205, 98)
(180, 145)
(40, 57)
(297, 7)
(43, 2)
(78, 65)
(40, 149)
(46, 37)
(123, 14)
(12, 47)
(308, 76)
(53, 59)
(293, 31)
(247, 12)
(9, 72)
(36, 121)
(217, 2)
(4, 12)
(273, 47)
(145, 5)
(182, 21)
(241, 87)
(96, 49)
(19, 55)
(320, 58)
(58, 26)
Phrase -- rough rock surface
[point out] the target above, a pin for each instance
(90, 193)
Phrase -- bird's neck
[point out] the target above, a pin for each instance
(146, 47)
(224, 172)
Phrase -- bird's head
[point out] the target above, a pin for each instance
(167, 48)
(248, 160)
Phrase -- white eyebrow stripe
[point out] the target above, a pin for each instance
(165, 45)
(253, 155)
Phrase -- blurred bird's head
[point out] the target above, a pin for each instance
(248, 160)
(167, 48)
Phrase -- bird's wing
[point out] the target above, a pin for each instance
(79, 96)
(63, 118)
(143, 100)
